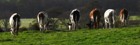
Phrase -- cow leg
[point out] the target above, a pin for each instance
(12, 31)
(122, 23)
(125, 22)
(69, 26)
(105, 25)
(91, 25)
(74, 26)
(114, 22)
(110, 25)
(94, 25)
(97, 21)
(41, 27)
(97, 24)
(16, 32)
(45, 27)
(107, 22)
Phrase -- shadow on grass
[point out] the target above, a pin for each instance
(6, 40)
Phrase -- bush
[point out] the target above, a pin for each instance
(4, 25)
(23, 29)
(33, 25)
(57, 24)
(1, 30)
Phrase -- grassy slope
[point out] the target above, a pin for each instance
(134, 17)
(122, 36)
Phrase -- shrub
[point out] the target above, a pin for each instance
(23, 29)
(1, 30)
(33, 25)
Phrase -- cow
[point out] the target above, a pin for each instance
(94, 17)
(74, 19)
(109, 18)
(15, 23)
(124, 17)
(42, 20)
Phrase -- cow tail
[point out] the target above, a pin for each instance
(41, 20)
(16, 31)
(40, 23)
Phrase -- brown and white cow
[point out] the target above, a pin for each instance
(42, 20)
(94, 17)
(14, 22)
(109, 18)
(74, 19)
(124, 17)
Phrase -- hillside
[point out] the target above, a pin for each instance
(62, 8)
(116, 36)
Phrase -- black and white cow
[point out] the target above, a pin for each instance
(124, 16)
(109, 18)
(42, 20)
(74, 19)
(15, 23)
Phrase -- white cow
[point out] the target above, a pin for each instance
(14, 23)
(109, 18)
(74, 19)
(42, 20)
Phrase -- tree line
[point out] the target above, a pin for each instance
(62, 8)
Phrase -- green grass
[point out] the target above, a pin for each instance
(25, 22)
(116, 36)
(134, 18)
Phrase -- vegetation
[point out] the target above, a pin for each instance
(134, 17)
(61, 36)
(62, 8)
(115, 36)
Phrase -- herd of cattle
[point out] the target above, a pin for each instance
(94, 16)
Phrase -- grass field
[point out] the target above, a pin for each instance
(116, 36)
(25, 22)
(134, 17)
